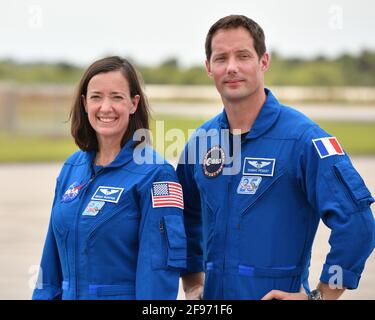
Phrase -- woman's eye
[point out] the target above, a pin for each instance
(94, 97)
(117, 97)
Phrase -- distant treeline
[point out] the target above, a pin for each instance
(345, 70)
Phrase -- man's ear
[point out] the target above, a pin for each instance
(265, 62)
(84, 102)
(208, 68)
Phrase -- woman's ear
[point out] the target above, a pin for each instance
(135, 101)
(84, 102)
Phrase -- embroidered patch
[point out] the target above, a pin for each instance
(328, 146)
(167, 194)
(249, 184)
(213, 162)
(108, 194)
(71, 193)
(259, 166)
(93, 208)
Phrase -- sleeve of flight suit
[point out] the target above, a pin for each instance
(49, 281)
(162, 241)
(192, 210)
(339, 195)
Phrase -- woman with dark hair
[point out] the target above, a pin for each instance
(116, 229)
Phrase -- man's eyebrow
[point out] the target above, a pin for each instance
(243, 51)
(219, 54)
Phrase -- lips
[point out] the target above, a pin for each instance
(233, 81)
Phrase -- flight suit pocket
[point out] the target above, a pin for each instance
(173, 244)
(260, 281)
(113, 292)
(264, 187)
(353, 184)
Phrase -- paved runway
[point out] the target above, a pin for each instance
(25, 200)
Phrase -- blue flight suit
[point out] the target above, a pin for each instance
(252, 231)
(107, 237)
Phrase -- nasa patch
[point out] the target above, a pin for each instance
(71, 193)
(213, 162)
(259, 166)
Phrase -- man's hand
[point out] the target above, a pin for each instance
(327, 292)
(282, 295)
(193, 284)
(195, 293)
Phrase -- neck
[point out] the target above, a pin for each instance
(242, 113)
(108, 151)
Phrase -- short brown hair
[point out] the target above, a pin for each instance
(234, 22)
(81, 129)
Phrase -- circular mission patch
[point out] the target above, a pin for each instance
(213, 162)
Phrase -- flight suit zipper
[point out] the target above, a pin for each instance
(227, 225)
(81, 196)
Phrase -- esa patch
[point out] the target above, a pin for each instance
(108, 194)
(249, 184)
(258, 167)
(213, 162)
(93, 208)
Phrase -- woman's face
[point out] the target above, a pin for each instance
(108, 105)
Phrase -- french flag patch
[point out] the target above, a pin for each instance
(328, 147)
(167, 194)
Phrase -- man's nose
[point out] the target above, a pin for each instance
(232, 66)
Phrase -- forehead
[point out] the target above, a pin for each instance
(108, 81)
(232, 40)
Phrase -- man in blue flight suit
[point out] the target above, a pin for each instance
(251, 214)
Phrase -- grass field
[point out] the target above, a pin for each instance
(356, 138)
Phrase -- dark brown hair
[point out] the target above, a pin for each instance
(234, 22)
(81, 130)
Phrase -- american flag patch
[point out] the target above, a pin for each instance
(167, 194)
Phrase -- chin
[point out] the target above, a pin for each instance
(106, 134)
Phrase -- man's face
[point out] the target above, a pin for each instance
(234, 65)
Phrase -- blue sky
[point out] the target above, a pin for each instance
(151, 31)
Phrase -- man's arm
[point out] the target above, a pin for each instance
(193, 276)
(329, 293)
(193, 284)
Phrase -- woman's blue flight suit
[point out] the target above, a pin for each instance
(116, 232)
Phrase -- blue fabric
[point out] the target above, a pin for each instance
(245, 242)
(120, 252)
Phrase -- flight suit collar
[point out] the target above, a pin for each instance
(124, 156)
(266, 118)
